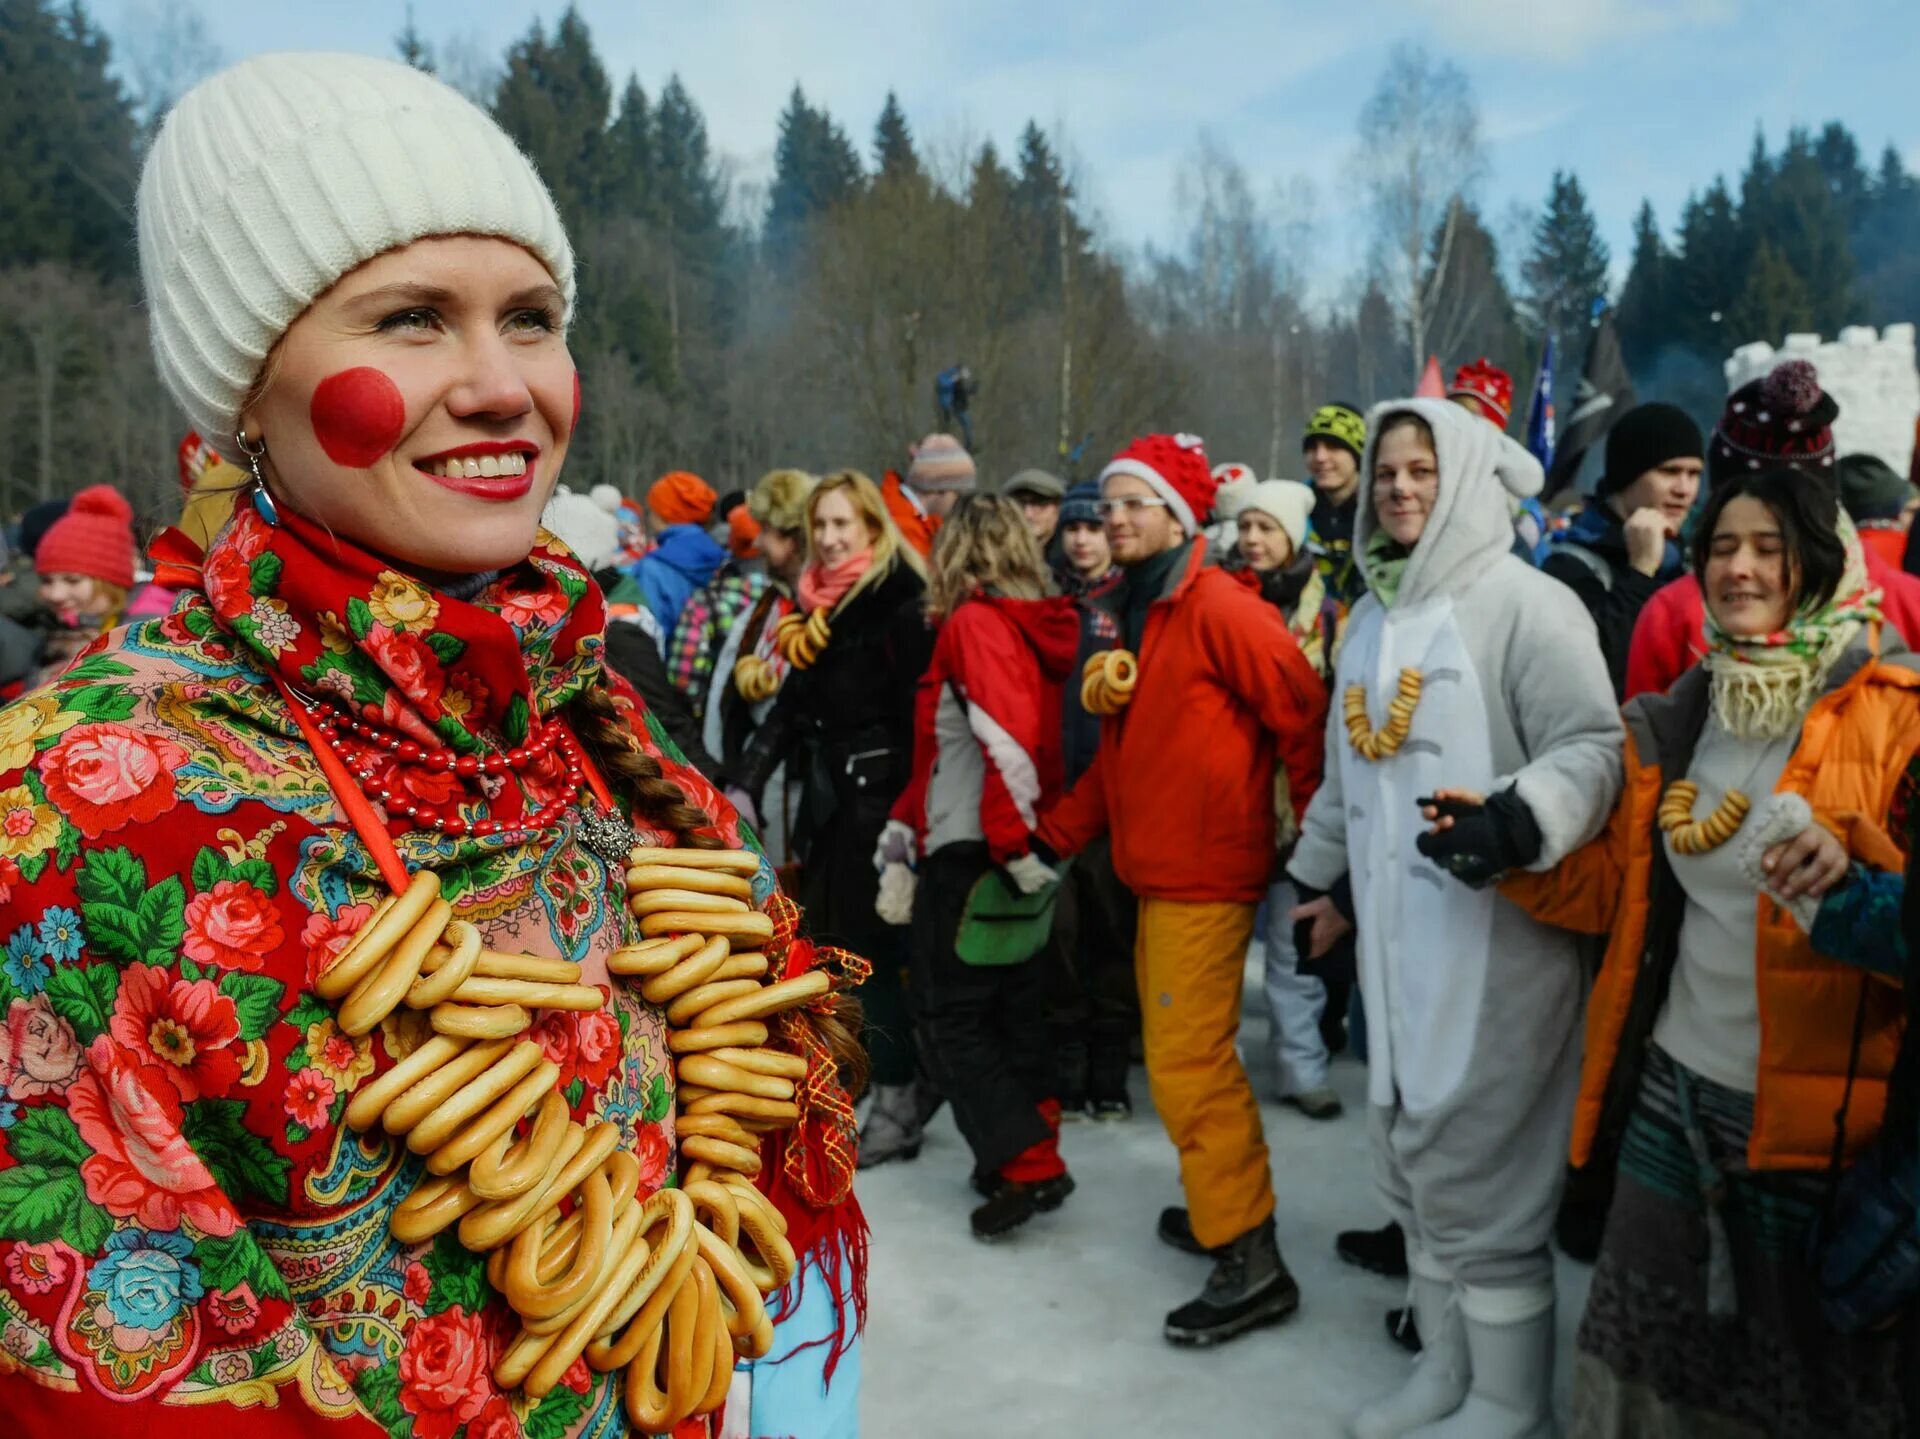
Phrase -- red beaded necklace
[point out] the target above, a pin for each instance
(375, 755)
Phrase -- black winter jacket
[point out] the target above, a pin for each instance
(1614, 602)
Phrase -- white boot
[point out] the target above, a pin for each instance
(1438, 1382)
(1510, 1340)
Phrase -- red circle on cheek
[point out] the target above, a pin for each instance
(576, 402)
(357, 416)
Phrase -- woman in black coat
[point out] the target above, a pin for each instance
(844, 719)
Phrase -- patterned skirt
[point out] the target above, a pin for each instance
(1701, 1323)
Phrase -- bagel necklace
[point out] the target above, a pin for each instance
(1378, 744)
(670, 1287)
(1694, 837)
(1108, 681)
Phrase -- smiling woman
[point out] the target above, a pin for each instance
(346, 838)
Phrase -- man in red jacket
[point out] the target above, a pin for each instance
(1783, 420)
(1184, 781)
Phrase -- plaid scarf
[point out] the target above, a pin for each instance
(1762, 686)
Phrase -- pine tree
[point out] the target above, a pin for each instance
(1774, 301)
(1886, 244)
(690, 201)
(1708, 270)
(1473, 311)
(554, 102)
(628, 179)
(68, 133)
(894, 157)
(412, 47)
(1643, 317)
(814, 169)
(1566, 269)
(1838, 154)
(1806, 225)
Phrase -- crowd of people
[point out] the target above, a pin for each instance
(1588, 836)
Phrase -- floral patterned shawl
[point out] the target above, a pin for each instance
(184, 1219)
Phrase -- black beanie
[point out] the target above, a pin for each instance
(1645, 438)
(35, 523)
(1871, 489)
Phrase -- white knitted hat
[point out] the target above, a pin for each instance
(583, 526)
(1288, 503)
(272, 179)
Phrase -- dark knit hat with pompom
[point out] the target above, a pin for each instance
(1783, 418)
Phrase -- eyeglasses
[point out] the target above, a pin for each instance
(1128, 505)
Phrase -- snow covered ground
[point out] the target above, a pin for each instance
(1055, 1331)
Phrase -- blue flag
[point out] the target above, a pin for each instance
(1540, 410)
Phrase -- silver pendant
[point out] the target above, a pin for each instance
(607, 835)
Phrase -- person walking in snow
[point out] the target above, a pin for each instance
(1184, 782)
(986, 760)
(1272, 545)
(1464, 666)
(846, 718)
(1092, 1011)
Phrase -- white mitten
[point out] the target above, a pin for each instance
(1780, 818)
(897, 845)
(894, 902)
(1031, 873)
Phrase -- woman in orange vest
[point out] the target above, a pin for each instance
(1719, 1041)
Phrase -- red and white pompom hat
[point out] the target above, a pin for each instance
(1175, 468)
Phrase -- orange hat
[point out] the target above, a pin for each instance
(743, 533)
(681, 498)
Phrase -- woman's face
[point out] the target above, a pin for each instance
(1263, 544)
(839, 533)
(72, 595)
(1749, 581)
(1406, 482)
(422, 406)
(1085, 544)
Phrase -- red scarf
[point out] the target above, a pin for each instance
(333, 620)
(828, 584)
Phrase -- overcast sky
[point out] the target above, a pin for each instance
(1640, 97)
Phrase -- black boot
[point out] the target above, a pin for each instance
(1014, 1203)
(1249, 1287)
(1177, 1229)
(1379, 1251)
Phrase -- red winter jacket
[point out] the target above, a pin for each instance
(986, 724)
(1184, 776)
(1671, 631)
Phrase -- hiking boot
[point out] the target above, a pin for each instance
(893, 1126)
(1318, 1103)
(1111, 1108)
(1176, 1229)
(1249, 1287)
(1378, 1251)
(1015, 1202)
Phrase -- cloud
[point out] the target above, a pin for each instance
(1563, 31)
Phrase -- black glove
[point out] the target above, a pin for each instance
(1486, 840)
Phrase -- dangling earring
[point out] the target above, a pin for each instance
(254, 450)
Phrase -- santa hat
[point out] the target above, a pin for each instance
(1288, 503)
(1175, 468)
(1782, 419)
(93, 538)
(1487, 383)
